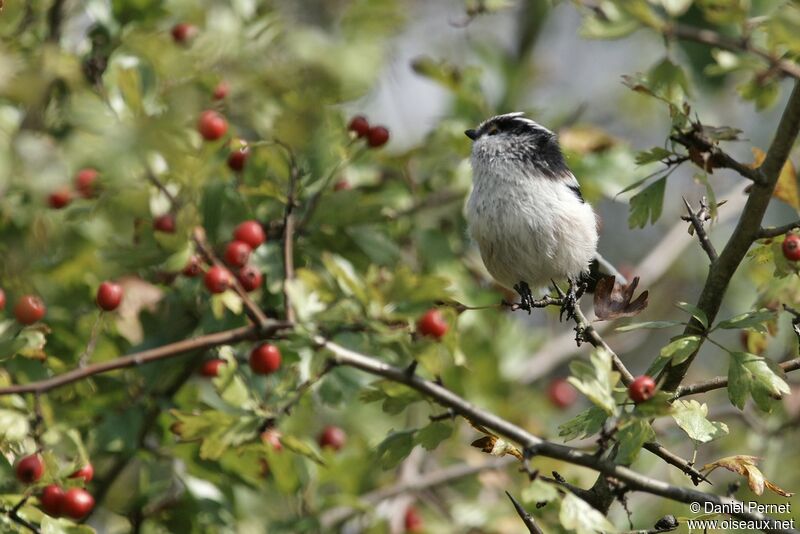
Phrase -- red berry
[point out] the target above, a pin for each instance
(84, 182)
(182, 32)
(238, 158)
(212, 125)
(221, 90)
(791, 247)
(359, 125)
(2, 300)
(332, 437)
(210, 368)
(342, 185)
(192, 268)
(413, 521)
(432, 324)
(251, 233)
(272, 437)
(86, 473)
(217, 279)
(642, 389)
(237, 253)
(249, 277)
(265, 359)
(52, 499)
(59, 199)
(377, 136)
(29, 309)
(30, 469)
(165, 223)
(561, 393)
(109, 295)
(77, 503)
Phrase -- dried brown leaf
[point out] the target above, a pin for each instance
(497, 447)
(787, 188)
(745, 465)
(612, 300)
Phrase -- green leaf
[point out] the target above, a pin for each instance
(432, 435)
(395, 448)
(539, 491)
(597, 380)
(649, 324)
(695, 312)
(631, 436)
(753, 319)
(345, 275)
(681, 348)
(760, 378)
(578, 515)
(14, 426)
(301, 447)
(647, 204)
(585, 424)
(691, 416)
(395, 397)
(656, 153)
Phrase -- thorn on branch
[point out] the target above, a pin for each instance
(697, 219)
(527, 518)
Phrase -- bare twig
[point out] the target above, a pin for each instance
(593, 337)
(697, 218)
(534, 445)
(694, 139)
(13, 514)
(527, 518)
(775, 231)
(153, 179)
(147, 356)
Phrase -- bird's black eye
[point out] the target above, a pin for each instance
(493, 130)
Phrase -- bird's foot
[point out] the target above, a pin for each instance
(525, 296)
(570, 300)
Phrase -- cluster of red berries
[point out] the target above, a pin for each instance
(74, 503)
(265, 359)
(791, 247)
(248, 236)
(84, 183)
(30, 309)
(376, 136)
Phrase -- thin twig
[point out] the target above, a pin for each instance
(593, 337)
(720, 382)
(146, 356)
(153, 179)
(527, 518)
(775, 231)
(697, 219)
(55, 16)
(13, 514)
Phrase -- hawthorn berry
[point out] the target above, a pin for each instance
(217, 279)
(2, 300)
(432, 324)
(165, 223)
(192, 268)
(237, 253)
(342, 185)
(249, 277)
(238, 158)
(332, 437)
(86, 473)
(413, 521)
(29, 309)
(265, 359)
(52, 500)
(183, 31)
(251, 233)
(377, 136)
(77, 503)
(84, 182)
(561, 393)
(221, 90)
(59, 199)
(791, 247)
(109, 295)
(30, 469)
(359, 125)
(210, 368)
(211, 125)
(642, 389)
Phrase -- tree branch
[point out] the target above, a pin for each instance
(775, 231)
(720, 382)
(534, 445)
(147, 356)
(744, 234)
(527, 518)
(697, 218)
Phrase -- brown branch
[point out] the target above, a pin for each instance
(720, 382)
(147, 356)
(153, 179)
(718, 158)
(255, 313)
(775, 231)
(697, 218)
(675, 460)
(593, 337)
(533, 445)
(745, 233)
(55, 16)
(523, 514)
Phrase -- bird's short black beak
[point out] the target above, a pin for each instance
(472, 134)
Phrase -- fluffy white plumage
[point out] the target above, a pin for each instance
(531, 226)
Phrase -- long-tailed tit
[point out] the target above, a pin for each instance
(526, 211)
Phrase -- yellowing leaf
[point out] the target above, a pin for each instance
(746, 466)
(787, 188)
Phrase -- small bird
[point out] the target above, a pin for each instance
(526, 211)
